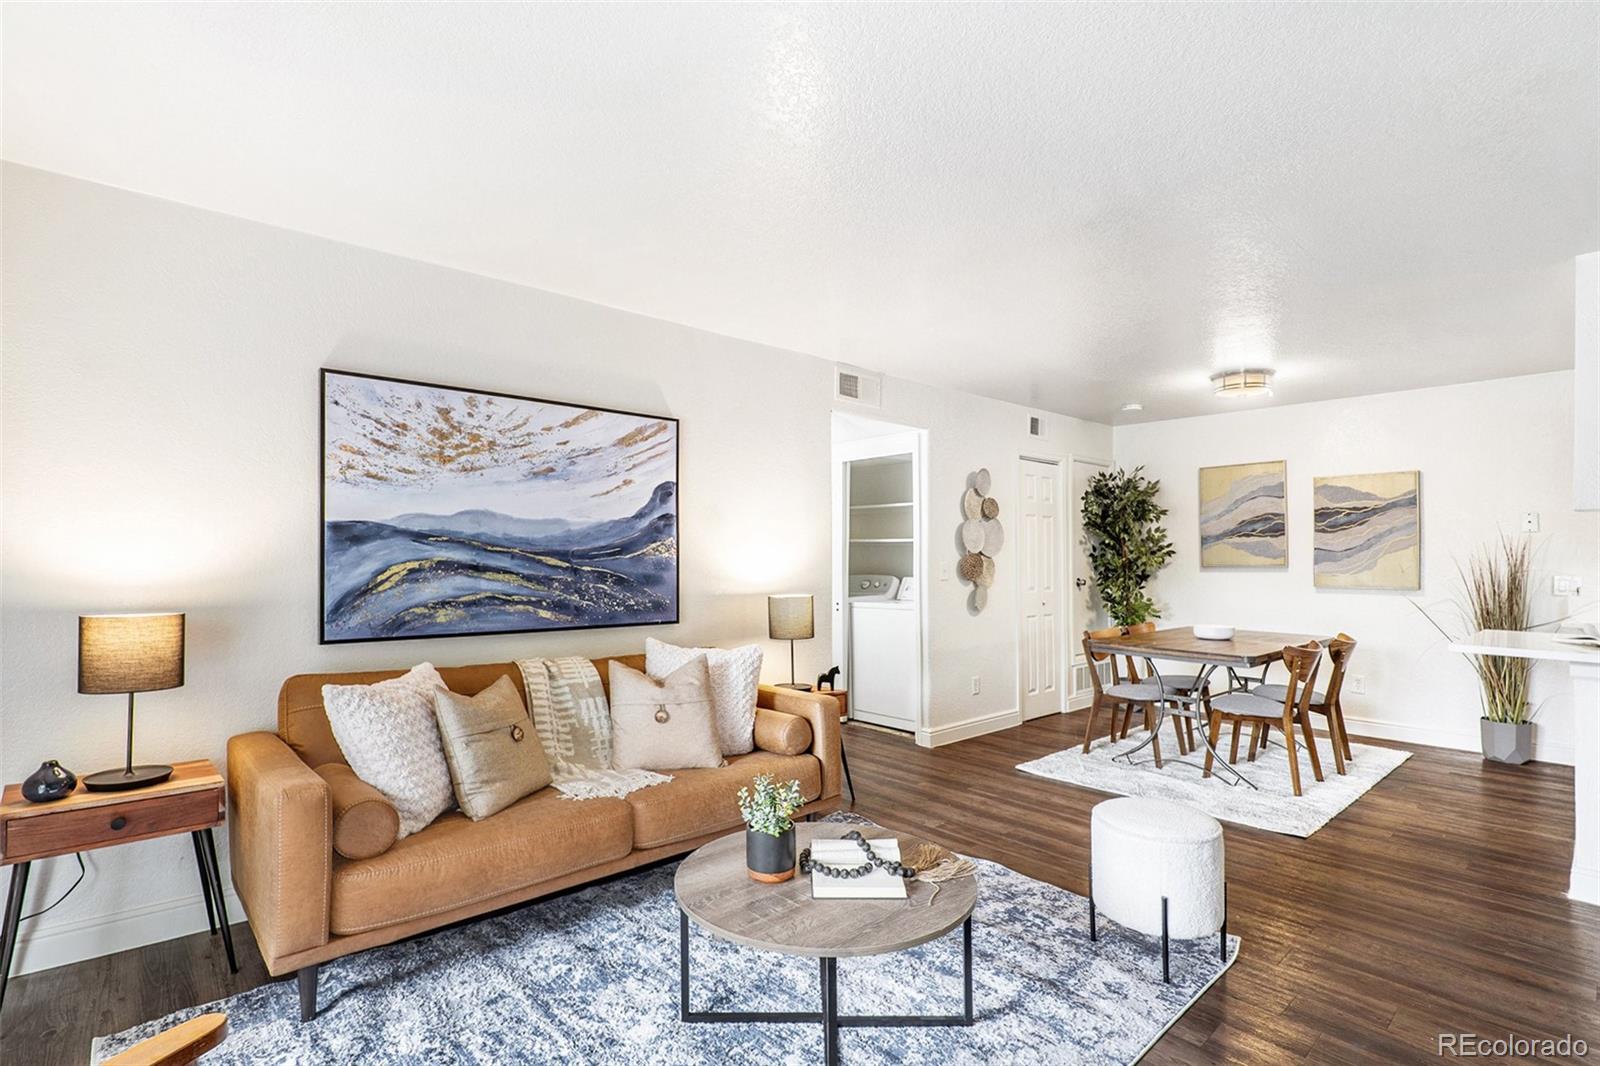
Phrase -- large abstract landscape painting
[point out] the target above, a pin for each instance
(1368, 532)
(1243, 517)
(450, 512)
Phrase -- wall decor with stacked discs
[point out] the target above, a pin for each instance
(981, 537)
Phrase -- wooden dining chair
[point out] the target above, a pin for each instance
(1325, 703)
(1125, 694)
(1252, 708)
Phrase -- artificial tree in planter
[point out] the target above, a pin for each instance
(768, 809)
(1126, 541)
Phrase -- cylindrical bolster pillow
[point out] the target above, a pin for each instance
(782, 734)
(364, 823)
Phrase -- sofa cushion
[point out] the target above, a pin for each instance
(456, 861)
(364, 822)
(696, 802)
(783, 734)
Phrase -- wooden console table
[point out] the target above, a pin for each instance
(193, 800)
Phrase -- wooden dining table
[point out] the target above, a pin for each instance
(1246, 649)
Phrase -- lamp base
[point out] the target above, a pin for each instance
(802, 687)
(120, 780)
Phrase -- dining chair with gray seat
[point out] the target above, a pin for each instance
(1325, 703)
(1255, 709)
(1123, 695)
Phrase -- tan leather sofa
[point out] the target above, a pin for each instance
(308, 904)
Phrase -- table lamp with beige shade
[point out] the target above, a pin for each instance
(129, 653)
(791, 617)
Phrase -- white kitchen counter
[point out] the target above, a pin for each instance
(1584, 666)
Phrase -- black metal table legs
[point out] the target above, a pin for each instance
(844, 763)
(832, 1021)
(205, 854)
(8, 942)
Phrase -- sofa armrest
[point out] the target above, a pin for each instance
(822, 712)
(279, 840)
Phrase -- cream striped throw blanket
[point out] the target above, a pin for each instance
(569, 711)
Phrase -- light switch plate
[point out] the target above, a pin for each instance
(1530, 521)
(1562, 585)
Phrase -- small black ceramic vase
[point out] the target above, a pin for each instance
(51, 781)
(770, 859)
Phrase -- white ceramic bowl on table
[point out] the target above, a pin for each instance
(1214, 632)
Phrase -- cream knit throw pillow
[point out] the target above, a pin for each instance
(390, 738)
(735, 676)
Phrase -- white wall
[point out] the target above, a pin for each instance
(963, 436)
(160, 415)
(161, 425)
(1488, 451)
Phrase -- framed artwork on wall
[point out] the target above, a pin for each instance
(1243, 515)
(450, 512)
(1367, 531)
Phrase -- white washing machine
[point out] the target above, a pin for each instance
(884, 638)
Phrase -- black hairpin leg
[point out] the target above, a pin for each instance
(8, 941)
(1222, 935)
(844, 763)
(205, 880)
(210, 851)
(1094, 934)
(1166, 945)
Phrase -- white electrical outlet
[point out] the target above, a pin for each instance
(944, 571)
(1530, 521)
(1561, 585)
(977, 684)
(1358, 684)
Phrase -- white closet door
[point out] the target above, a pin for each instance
(1040, 593)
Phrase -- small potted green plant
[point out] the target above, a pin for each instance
(769, 851)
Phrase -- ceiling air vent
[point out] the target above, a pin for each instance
(1035, 426)
(857, 386)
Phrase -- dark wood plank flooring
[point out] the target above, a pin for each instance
(1434, 904)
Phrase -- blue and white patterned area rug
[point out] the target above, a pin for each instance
(592, 977)
(1271, 805)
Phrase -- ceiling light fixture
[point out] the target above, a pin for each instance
(1243, 382)
(1133, 407)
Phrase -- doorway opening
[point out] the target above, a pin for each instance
(879, 577)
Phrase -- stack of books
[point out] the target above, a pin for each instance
(846, 855)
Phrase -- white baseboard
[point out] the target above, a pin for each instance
(1458, 740)
(977, 726)
(104, 934)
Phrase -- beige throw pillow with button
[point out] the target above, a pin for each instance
(663, 725)
(493, 750)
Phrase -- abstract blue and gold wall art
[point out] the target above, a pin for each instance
(1368, 531)
(452, 512)
(1243, 516)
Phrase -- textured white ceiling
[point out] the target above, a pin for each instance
(1066, 206)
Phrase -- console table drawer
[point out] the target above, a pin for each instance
(113, 823)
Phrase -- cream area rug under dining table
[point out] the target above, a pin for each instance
(1271, 805)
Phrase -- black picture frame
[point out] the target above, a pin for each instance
(322, 511)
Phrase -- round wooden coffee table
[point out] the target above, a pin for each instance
(714, 891)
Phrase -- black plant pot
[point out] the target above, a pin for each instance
(769, 858)
(51, 781)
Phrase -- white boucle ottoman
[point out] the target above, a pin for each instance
(1156, 866)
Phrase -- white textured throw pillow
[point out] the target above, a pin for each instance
(735, 676)
(390, 738)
